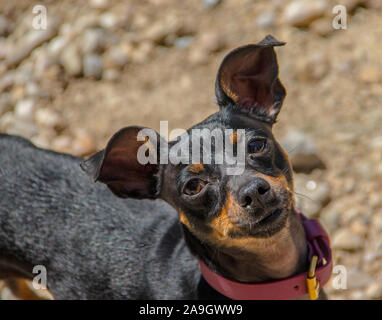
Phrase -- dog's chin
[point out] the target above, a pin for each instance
(266, 223)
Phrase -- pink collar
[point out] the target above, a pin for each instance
(320, 260)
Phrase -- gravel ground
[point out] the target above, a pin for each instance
(101, 65)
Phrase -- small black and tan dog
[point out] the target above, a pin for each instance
(97, 246)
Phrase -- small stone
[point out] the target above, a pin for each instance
(44, 61)
(374, 290)
(46, 117)
(358, 226)
(115, 58)
(6, 26)
(211, 3)
(322, 27)
(346, 240)
(377, 221)
(93, 41)
(184, 42)
(22, 128)
(370, 74)
(108, 20)
(84, 22)
(71, 61)
(41, 141)
(351, 5)
(311, 196)
(57, 45)
(314, 68)
(301, 13)
(83, 145)
(62, 144)
(25, 109)
(350, 213)
(330, 218)
(6, 103)
(143, 52)
(358, 279)
(211, 42)
(99, 4)
(92, 66)
(302, 152)
(376, 142)
(111, 75)
(159, 31)
(198, 56)
(266, 19)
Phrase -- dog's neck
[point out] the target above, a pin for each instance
(260, 259)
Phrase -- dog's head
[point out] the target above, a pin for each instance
(219, 203)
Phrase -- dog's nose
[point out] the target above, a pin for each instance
(255, 194)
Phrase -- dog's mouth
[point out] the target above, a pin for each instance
(270, 217)
(265, 224)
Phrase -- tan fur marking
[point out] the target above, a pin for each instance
(233, 138)
(196, 168)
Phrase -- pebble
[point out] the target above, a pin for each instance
(311, 196)
(62, 144)
(99, 4)
(374, 290)
(370, 74)
(356, 279)
(330, 218)
(346, 240)
(211, 42)
(6, 103)
(24, 109)
(266, 19)
(22, 128)
(6, 26)
(92, 66)
(115, 57)
(111, 75)
(143, 52)
(314, 68)
(71, 60)
(108, 20)
(322, 27)
(46, 117)
(358, 226)
(184, 42)
(300, 13)
(210, 3)
(56, 45)
(93, 41)
(83, 145)
(158, 32)
(302, 152)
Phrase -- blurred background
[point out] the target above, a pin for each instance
(104, 64)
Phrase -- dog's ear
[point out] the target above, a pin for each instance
(248, 78)
(126, 168)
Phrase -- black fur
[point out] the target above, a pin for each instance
(94, 245)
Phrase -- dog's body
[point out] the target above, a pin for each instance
(93, 245)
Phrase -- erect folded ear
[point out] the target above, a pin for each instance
(248, 78)
(129, 165)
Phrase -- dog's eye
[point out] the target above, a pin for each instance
(193, 187)
(256, 145)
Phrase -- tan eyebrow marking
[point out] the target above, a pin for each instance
(196, 168)
(233, 138)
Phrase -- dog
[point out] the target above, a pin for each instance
(174, 231)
